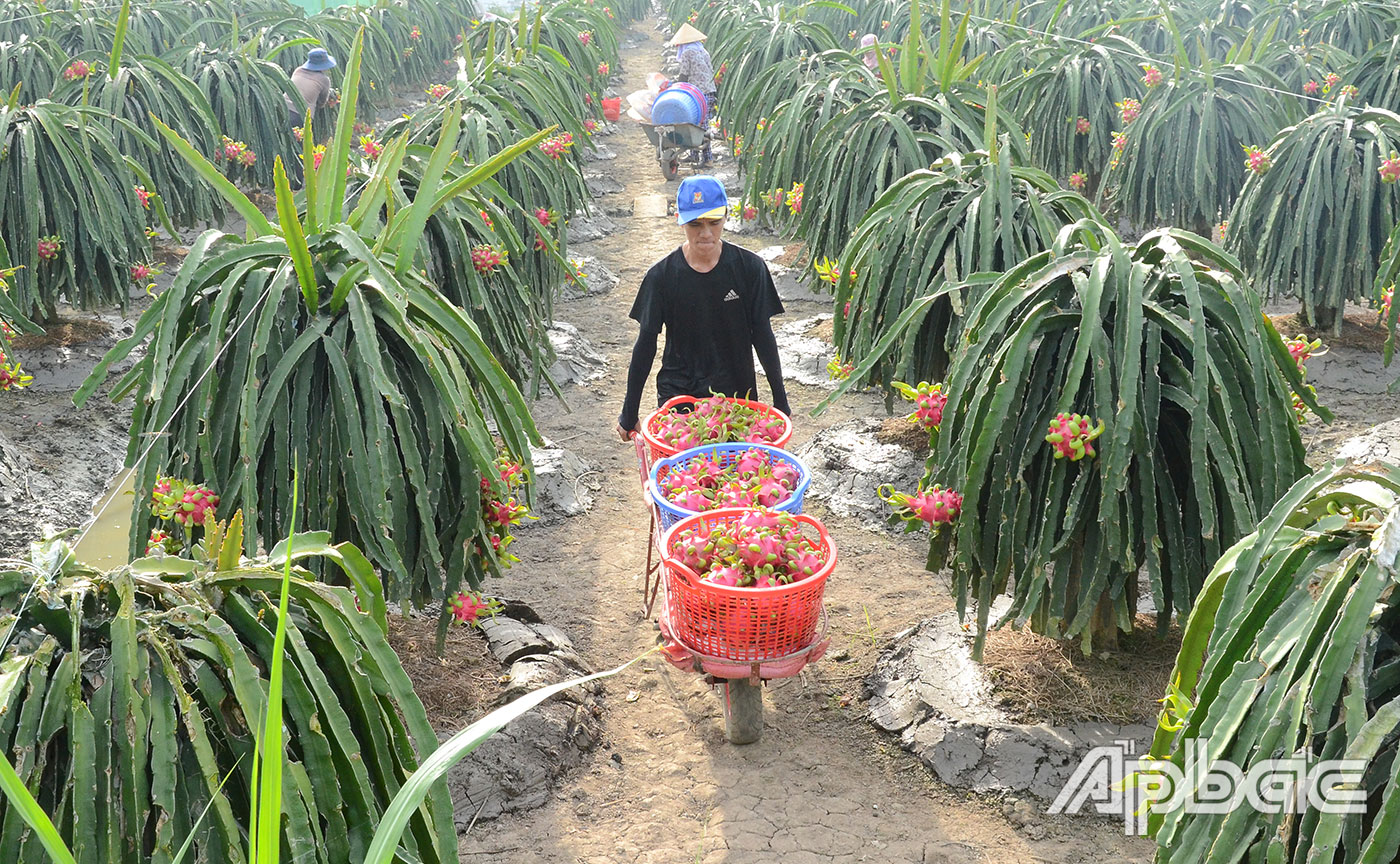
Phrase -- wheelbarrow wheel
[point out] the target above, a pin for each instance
(670, 166)
(743, 711)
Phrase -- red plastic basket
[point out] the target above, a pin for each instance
(745, 624)
(658, 450)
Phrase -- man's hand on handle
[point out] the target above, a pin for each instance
(625, 434)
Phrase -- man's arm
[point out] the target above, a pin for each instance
(765, 344)
(643, 355)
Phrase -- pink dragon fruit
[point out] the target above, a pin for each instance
(1300, 349)
(1151, 75)
(1387, 295)
(48, 247)
(765, 519)
(1072, 436)
(196, 506)
(1311, 88)
(585, 36)
(1128, 110)
(694, 501)
(415, 34)
(728, 576)
(144, 197)
(1078, 181)
(141, 273)
(1350, 91)
(1082, 126)
(751, 461)
(805, 562)
(1255, 160)
(1330, 80)
(603, 68)
(439, 91)
(77, 69)
(770, 493)
(1390, 168)
(507, 512)
(937, 505)
(787, 474)
(487, 258)
(467, 607)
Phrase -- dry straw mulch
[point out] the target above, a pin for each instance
(1040, 680)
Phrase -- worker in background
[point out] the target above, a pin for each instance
(312, 83)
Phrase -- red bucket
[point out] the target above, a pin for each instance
(612, 109)
(748, 625)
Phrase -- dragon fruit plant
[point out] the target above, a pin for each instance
(1023, 515)
(761, 549)
(754, 479)
(1326, 246)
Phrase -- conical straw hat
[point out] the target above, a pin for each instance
(687, 34)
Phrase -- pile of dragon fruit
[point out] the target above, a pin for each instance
(761, 549)
(754, 479)
(717, 420)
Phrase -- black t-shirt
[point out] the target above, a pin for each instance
(709, 320)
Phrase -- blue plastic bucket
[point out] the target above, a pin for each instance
(675, 105)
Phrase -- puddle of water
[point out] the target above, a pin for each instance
(105, 545)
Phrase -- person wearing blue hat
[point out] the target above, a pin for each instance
(715, 301)
(312, 83)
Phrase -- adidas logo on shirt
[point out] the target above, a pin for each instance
(732, 295)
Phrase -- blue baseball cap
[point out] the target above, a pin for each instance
(318, 60)
(700, 197)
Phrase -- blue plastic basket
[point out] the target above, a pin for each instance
(676, 105)
(725, 455)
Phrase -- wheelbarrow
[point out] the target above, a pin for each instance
(740, 682)
(673, 141)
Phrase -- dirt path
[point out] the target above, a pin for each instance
(821, 786)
